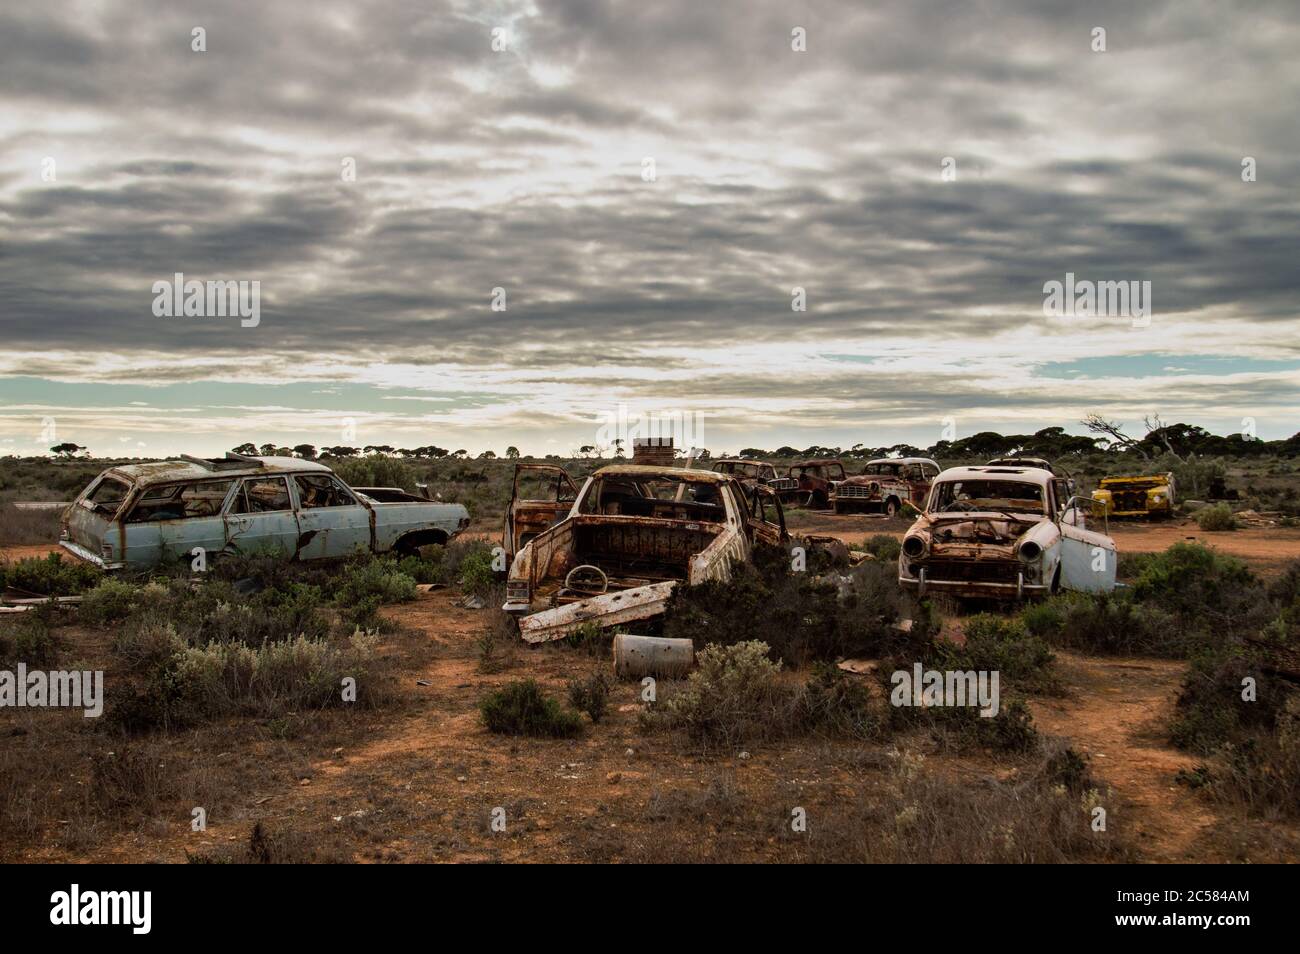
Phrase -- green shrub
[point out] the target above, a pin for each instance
(221, 679)
(802, 617)
(1110, 624)
(733, 695)
(377, 577)
(147, 642)
(590, 695)
(995, 643)
(883, 547)
(834, 702)
(1210, 710)
(110, 601)
(1262, 772)
(28, 640)
(1216, 517)
(51, 575)
(1191, 579)
(522, 708)
(476, 574)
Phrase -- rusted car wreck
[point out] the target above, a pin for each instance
(1004, 533)
(633, 533)
(885, 485)
(141, 515)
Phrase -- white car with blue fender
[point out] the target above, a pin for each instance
(1004, 533)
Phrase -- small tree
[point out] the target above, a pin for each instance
(512, 453)
(66, 449)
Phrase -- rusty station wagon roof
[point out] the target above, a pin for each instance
(672, 473)
(166, 471)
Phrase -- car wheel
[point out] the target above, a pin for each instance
(891, 507)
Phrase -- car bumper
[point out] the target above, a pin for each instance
(81, 553)
(973, 588)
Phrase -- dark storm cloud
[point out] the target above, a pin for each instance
(522, 170)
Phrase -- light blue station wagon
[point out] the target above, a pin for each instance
(141, 515)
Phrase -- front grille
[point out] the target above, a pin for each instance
(855, 490)
(783, 483)
(974, 571)
(1129, 500)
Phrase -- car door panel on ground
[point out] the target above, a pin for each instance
(331, 521)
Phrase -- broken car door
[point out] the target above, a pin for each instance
(168, 523)
(1087, 558)
(260, 517)
(765, 517)
(332, 522)
(542, 496)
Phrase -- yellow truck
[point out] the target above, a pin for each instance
(1151, 497)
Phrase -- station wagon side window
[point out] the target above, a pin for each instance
(200, 498)
(108, 496)
(320, 490)
(262, 495)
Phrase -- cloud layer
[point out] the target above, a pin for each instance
(523, 169)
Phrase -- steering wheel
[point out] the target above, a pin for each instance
(594, 577)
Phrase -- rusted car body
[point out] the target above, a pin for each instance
(141, 515)
(809, 482)
(885, 485)
(746, 471)
(631, 536)
(1151, 497)
(1004, 533)
(540, 497)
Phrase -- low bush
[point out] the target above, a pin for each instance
(1191, 580)
(994, 643)
(220, 679)
(1216, 517)
(28, 640)
(1262, 772)
(522, 708)
(377, 577)
(110, 601)
(1110, 624)
(802, 617)
(1211, 709)
(883, 547)
(733, 695)
(590, 695)
(838, 704)
(923, 816)
(51, 575)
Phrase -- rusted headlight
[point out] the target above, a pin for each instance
(1030, 551)
(914, 547)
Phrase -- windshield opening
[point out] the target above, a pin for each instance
(673, 498)
(960, 496)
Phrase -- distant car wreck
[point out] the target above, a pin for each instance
(1151, 497)
(633, 534)
(885, 485)
(1005, 533)
(141, 515)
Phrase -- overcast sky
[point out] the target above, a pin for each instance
(127, 156)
